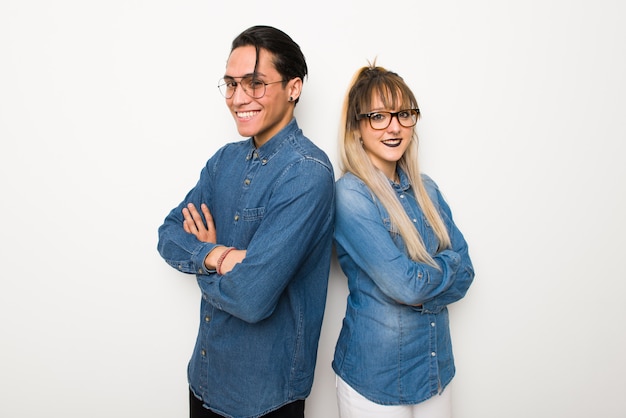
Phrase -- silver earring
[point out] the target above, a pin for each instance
(290, 99)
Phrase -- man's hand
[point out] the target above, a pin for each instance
(193, 223)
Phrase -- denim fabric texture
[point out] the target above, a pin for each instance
(260, 323)
(391, 350)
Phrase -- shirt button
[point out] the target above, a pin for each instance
(203, 353)
(236, 217)
(432, 324)
(433, 354)
(207, 318)
(246, 182)
(401, 196)
(264, 160)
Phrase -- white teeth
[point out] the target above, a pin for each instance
(246, 114)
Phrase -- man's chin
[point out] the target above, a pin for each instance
(246, 133)
(246, 129)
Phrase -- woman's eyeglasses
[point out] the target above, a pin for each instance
(381, 120)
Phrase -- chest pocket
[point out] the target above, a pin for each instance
(395, 236)
(253, 214)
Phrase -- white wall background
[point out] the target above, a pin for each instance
(108, 110)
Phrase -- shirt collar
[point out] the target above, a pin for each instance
(271, 147)
(404, 184)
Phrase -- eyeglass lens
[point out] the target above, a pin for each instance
(253, 87)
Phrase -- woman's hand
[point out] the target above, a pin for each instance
(193, 223)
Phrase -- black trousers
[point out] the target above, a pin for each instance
(291, 410)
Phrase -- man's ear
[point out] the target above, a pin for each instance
(294, 88)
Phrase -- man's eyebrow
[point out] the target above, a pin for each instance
(253, 75)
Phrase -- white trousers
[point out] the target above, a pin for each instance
(354, 405)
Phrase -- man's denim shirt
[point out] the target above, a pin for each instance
(390, 349)
(260, 323)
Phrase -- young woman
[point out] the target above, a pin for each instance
(404, 258)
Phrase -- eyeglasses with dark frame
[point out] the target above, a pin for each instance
(381, 120)
(251, 85)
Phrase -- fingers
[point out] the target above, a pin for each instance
(187, 221)
(194, 224)
(211, 232)
(207, 216)
(197, 219)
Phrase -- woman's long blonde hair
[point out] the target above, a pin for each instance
(369, 82)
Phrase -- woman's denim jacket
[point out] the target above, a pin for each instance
(260, 323)
(394, 347)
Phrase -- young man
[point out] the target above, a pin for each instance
(256, 230)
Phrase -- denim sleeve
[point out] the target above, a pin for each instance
(360, 231)
(464, 276)
(179, 249)
(297, 225)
